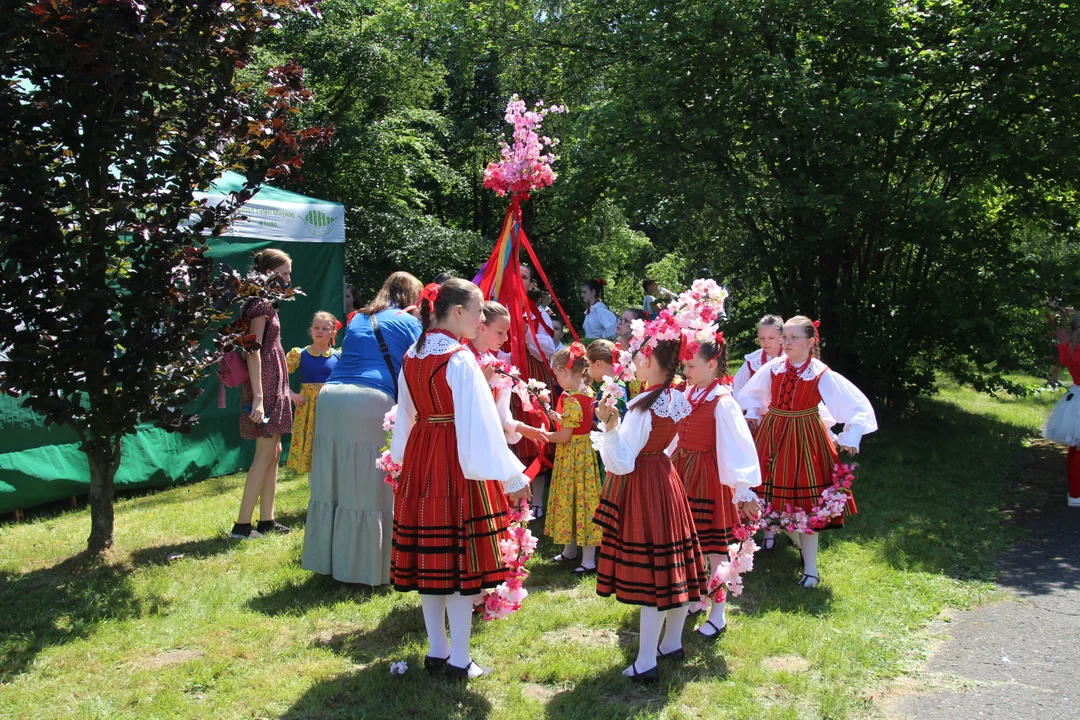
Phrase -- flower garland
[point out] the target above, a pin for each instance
(384, 462)
(832, 504)
(727, 578)
(516, 548)
(527, 165)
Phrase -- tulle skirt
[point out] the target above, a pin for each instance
(1063, 425)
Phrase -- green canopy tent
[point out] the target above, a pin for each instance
(40, 464)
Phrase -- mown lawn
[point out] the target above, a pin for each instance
(238, 630)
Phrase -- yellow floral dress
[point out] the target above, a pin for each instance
(314, 370)
(574, 489)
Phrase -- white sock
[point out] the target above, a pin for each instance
(652, 622)
(460, 610)
(673, 628)
(769, 535)
(809, 555)
(588, 556)
(569, 550)
(716, 614)
(795, 538)
(434, 607)
(538, 486)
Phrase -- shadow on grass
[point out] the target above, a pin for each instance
(315, 591)
(935, 490)
(60, 604)
(373, 692)
(191, 550)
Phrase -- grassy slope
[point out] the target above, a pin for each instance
(239, 630)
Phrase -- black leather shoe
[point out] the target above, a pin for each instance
(434, 664)
(649, 676)
(457, 673)
(676, 654)
(715, 636)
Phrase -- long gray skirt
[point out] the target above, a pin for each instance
(350, 520)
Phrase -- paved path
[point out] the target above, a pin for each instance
(1019, 658)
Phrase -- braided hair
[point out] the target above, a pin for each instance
(453, 293)
(667, 354)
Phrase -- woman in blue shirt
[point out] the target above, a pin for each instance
(350, 516)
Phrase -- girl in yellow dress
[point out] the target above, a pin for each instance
(574, 493)
(315, 363)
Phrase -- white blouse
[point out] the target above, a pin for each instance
(546, 341)
(599, 322)
(620, 447)
(753, 362)
(843, 401)
(736, 454)
(481, 444)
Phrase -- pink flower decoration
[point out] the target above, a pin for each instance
(525, 166)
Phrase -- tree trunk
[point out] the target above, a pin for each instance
(103, 467)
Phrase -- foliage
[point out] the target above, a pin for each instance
(114, 114)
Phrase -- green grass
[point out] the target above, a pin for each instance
(239, 630)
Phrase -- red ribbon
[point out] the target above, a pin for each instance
(430, 293)
(817, 335)
(577, 351)
(719, 338)
(337, 329)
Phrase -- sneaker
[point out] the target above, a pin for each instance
(268, 527)
(244, 532)
(1074, 501)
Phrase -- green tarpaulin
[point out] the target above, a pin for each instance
(39, 464)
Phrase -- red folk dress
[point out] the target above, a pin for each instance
(795, 449)
(650, 553)
(716, 458)
(447, 519)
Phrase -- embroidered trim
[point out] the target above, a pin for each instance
(717, 391)
(815, 368)
(435, 344)
(672, 404)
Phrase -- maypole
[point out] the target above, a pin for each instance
(525, 167)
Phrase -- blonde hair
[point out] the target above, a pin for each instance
(801, 321)
(269, 259)
(579, 365)
(493, 310)
(325, 315)
(601, 351)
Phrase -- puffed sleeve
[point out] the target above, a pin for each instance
(571, 413)
(848, 405)
(482, 449)
(756, 395)
(621, 446)
(509, 424)
(741, 378)
(404, 420)
(735, 450)
(610, 323)
(292, 359)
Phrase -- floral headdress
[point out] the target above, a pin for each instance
(690, 320)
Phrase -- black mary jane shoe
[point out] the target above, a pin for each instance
(807, 576)
(715, 636)
(561, 559)
(695, 613)
(434, 664)
(582, 571)
(676, 654)
(649, 676)
(457, 673)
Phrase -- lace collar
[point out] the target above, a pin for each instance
(436, 342)
(755, 362)
(671, 404)
(813, 369)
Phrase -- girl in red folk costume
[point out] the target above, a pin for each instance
(769, 330)
(451, 504)
(796, 451)
(1063, 425)
(487, 344)
(650, 554)
(575, 480)
(717, 460)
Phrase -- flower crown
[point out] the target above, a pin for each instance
(690, 320)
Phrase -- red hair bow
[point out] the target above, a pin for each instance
(601, 282)
(337, 329)
(429, 293)
(817, 335)
(577, 351)
(719, 338)
(618, 348)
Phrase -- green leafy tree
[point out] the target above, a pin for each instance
(113, 114)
